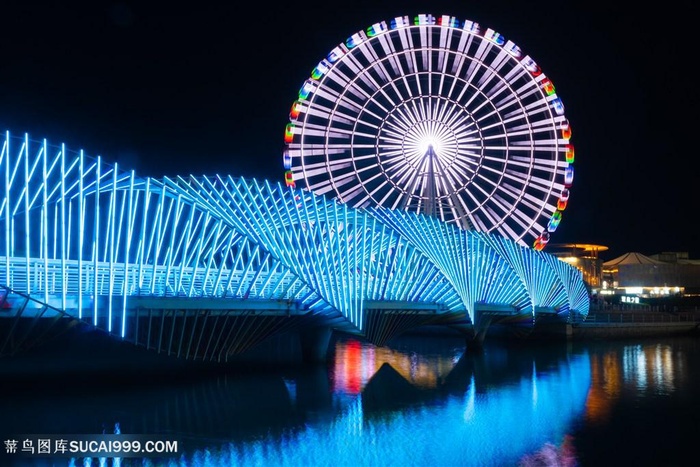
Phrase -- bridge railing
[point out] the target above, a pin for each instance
(70, 279)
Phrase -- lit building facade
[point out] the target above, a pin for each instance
(584, 257)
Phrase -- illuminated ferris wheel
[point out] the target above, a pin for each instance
(435, 116)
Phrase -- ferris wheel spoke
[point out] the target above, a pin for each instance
(459, 121)
(373, 85)
(460, 59)
(352, 97)
(403, 173)
(544, 186)
(470, 138)
(400, 119)
(445, 38)
(387, 197)
(389, 148)
(458, 180)
(392, 93)
(344, 179)
(399, 172)
(389, 51)
(461, 50)
(500, 71)
(460, 206)
(390, 155)
(483, 89)
(414, 62)
(503, 219)
(336, 92)
(340, 148)
(485, 83)
(523, 218)
(474, 70)
(382, 183)
(323, 185)
(442, 133)
(401, 86)
(506, 231)
(505, 200)
(478, 222)
(532, 165)
(455, 179)
(438, 109)
(368, 52)
(523, 134)
(413, 189)
(349, 195)
(342, 119)
(358, 72)
(444, 184)
(409, 178)
(313, 169)
(417, 112)
(394, 132)
(410, 113)
(487, 185)
(489, 219)
(526, 119)
(442, 77)
(400, 201)
(517, 81)
(443, 108)
(543, 211)
(407, 51)
(540, 107)
(529, 89)
(511, 107)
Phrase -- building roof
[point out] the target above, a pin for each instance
(631, 258)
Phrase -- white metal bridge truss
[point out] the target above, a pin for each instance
(205, 268)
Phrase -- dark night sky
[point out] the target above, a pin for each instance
(202, 88)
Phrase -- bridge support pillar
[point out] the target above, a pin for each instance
(314, 343)
(475, 342)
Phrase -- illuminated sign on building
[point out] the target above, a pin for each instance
(626, 299)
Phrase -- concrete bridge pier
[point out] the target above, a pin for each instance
(314, 342)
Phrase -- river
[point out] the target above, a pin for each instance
(421, 401)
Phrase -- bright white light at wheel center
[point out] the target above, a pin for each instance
(425, 144)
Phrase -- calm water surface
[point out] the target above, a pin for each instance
(422, 401)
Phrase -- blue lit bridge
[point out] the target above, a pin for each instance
(208, 267)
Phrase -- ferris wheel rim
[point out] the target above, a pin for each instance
(503, 161)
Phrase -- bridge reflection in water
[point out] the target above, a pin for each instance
(206, 268)
(465, 404)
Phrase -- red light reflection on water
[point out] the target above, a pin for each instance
(356, 362)
(348, 367)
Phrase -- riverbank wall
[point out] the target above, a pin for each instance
(608, 324)
(583, 331)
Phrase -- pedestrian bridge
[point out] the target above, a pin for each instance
(207, 267)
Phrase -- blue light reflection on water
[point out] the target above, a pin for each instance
(494, 425)
(412, 403)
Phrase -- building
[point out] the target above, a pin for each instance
(663, 274)
(585, 257)
(633, 276)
